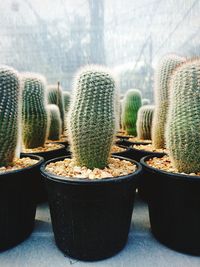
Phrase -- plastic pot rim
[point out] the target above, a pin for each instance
(84, 181)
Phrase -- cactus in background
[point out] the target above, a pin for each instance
(145, 101)
(131, 104)
(92, 121)
(55, 96)
(144, 122)
(34, 111)
(9, 114)
(55, 122)
(183, 122)
(66, 99)
(164, 72)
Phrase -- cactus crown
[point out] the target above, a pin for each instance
(55, 96)
(162, 78)
(183, 122)
(55, 122)
(144, 122)
(131, 104)
(145, 101)
(91, 122)
(34, 113)
(9, 114)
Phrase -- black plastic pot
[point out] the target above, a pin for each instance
(174, 208)
(127, 143)
(47, 155)
(91, 218)
(18, 203)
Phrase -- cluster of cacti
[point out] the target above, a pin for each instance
(92, 117)
(55, 96)
(55, 122)
(183, 123)
(164, 72)
(34, 111)
(145, 101)
(9, 114)
(144, 122)
(131, 104)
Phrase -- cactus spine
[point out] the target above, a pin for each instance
(183, 123)
(9, 114)
(165, 69)
(55, 122)
(145, 101)
(144, 122)
(55, 96)
(92, 121)
(34, 111)
(131, 104)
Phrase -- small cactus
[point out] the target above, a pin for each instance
(183, 122)
(131, 104)
(9, 114)
(55, 96)
(164, 72)
(66, 99)
(55, 122)
(34, 111)
(92, 120)
(145, 101)
(144, 122)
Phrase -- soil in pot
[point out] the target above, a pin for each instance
(49, 151)
(174, 204)
(91, 212)
(63, 141)
(18, 200)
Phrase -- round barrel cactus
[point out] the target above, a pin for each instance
(10, 114)
(183, 123)
(162, 78)
(55, 96)
(131, 104)
(34, 110)
(144, 122)
(92, 120)
(55, 122)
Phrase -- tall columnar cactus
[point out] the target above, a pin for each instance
(183, 122)
(9, 114)
(144, 122)
(55, 96)
(131, 104)
(34, 111)
(145, 101)
(55, 122)
(92, 117)
(163, 74)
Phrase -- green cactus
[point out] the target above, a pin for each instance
(131, 104)
(66, 99)
(34, 111)
(145, 101)
(164, 72)
(55, 122)
(183, 122)
(144, 122)
(92, 120)
(9, 115)
(55, 96)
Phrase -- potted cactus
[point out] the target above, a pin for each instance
(174, 180)
(17, 173)
(35, 119)
(35, 124)
(55, 127)
(91, 199)
(55, 96)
